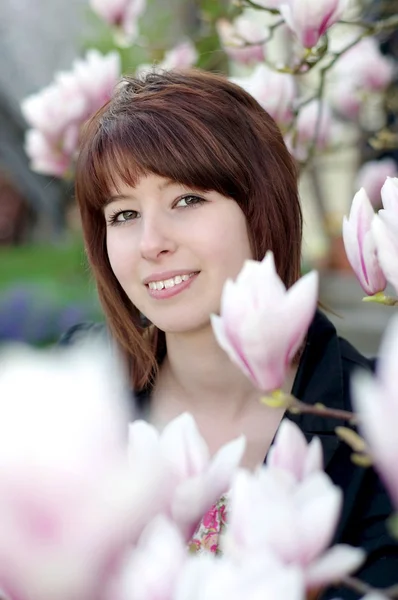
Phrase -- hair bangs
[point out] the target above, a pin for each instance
(183, 150)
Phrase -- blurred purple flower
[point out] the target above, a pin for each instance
(31, 314)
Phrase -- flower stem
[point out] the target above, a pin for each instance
(381, 298)
(363, 588)
(297, 406)
(279, 399)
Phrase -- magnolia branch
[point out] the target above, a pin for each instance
(363, 588)
(320, 410)
(279, 399)
(251, 4)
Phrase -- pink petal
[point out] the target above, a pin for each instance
(183, 446)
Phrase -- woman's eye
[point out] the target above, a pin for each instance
(190, 201)
(122, 216)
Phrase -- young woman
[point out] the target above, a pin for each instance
(181, 177)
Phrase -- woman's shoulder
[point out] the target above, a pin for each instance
(352, 358)
(81, 332)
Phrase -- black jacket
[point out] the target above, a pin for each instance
(324, 376)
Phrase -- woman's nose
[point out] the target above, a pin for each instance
(156, 238)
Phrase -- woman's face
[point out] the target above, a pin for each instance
(172, 249)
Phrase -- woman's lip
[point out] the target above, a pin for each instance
(165, 275)
(173, 291)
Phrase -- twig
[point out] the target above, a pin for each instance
(273, 11)
(363, 588)
(278, 399)
(246, 43)
(297, 406)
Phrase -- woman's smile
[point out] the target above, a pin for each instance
(167, 288)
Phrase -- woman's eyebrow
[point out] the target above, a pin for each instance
(118, 197)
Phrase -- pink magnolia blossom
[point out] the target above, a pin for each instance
(291, 452)
(376, 402)
(360, 246)
(194, 480)
(308, 131)
(364, 67)
(121, 14)
(152, 569)
(385, 234)
(372, 176)
(242, 39)
(300, 524)
(389, 194)
(346, 98)
(307, 123)
(182, 56)
(274, 91)
(66, 495)
(385, 231)
(309, 20)
(205, 578)
(57, 113)
(261, 324)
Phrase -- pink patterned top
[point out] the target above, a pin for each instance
(206, 536)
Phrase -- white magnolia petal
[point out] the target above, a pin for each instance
(289, 449)
(336, 563)
(386, 239)
(389, 194)
(183, 446)
(314, 459)
(303, 296)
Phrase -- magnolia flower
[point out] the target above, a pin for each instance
(204, 578)
(309, 20)
(193, 480)
(345, 98)
(314, 125)
(121, 14)
(307, 122)
(364, 67)
(57, 113)
(243, 39)
(291, 452)
(360, 246)
(182, 56)
(261, 325)
(274, 91)
(300, 524)
(376, 402)
(372, 175)
(152, 570)
(389, 194)
(385, 234)
(66, 495)
(385, 231)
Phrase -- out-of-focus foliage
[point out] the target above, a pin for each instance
(43, 292)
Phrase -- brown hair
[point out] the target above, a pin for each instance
(198, 129)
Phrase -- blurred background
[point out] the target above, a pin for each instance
(45, 285)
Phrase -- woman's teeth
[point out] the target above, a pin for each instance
(169, 283)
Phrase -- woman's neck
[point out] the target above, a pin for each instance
(197, 373)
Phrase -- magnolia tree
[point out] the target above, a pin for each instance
(329, 72)
(95, 505)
